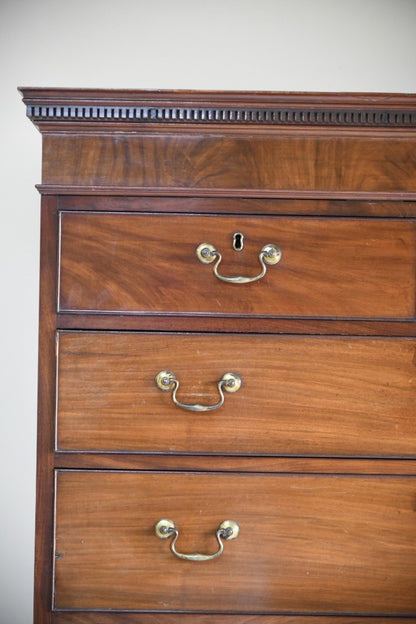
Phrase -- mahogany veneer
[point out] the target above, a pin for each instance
(307, 543)
(334, 396)
(147, 263)
(314, 455)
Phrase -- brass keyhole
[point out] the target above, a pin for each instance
(238, 241)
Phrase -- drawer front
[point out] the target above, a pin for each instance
(136, 263)
(300, 395)
(307, 544)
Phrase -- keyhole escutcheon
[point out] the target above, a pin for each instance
(238, 241)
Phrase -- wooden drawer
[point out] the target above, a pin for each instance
(307, 544)
(137, 263)
(300, 395)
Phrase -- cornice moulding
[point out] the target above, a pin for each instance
(222, 109)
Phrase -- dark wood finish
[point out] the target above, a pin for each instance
(86, 108)
(241, 193)
(46, 408)
(196, 618)
(52, 96)
(147, 263)
(221, 463)
(240, 206)
(205, 161)
(171, 323)
(299, 395)
(332, 178)
(309, 544)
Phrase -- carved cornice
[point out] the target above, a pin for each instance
(61, 106)
(224, 115)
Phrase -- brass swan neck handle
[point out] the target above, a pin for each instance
(269, 254)
(227, 530)
(166, 381)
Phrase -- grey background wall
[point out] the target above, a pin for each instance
(304, 45)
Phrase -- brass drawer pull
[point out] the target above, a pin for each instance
(166, 381)
(270, 254)
(228, 530)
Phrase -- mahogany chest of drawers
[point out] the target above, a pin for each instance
(227, 369)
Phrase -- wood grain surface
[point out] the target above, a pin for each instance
(314, 455)
(198, 618)
(223, 324)
(232, 463)
(275, 160)
(241, 206)
(307, 544)
(147, 264)
(299, 395)
(46, 409)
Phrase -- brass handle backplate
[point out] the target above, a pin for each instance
(166, 381)
(269, 254)
(228, 530)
